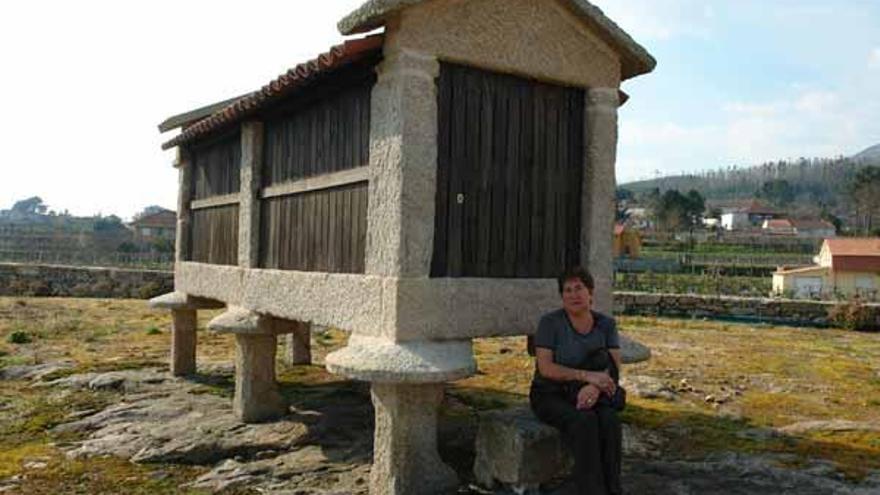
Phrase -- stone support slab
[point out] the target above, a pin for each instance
(597, 234)
(403, 165)
(405, 458)
(249, 205)
(183, 341)
(256, 392)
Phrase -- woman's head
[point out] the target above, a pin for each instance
(576, 288)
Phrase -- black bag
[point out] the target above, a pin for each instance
(601, 360)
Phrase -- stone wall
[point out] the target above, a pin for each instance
(785, 311)
(68, 281)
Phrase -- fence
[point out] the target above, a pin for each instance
(678, 283)
(151, 261)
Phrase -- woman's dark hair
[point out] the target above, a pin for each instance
(577, 272)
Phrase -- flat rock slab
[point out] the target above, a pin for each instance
(176, 421)
(34, 372)
(734, 474)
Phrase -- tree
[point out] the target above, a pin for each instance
(865, 190)
(30, 206)
(679, 211)
(108, 223)
(779, 192)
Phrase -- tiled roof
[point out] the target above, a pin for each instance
(779, 223)
(337, 57)
(811, 224)
(854, 246)
(164, 218)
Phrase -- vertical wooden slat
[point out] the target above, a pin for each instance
(458, 163)
(510, 146)
(441, 223)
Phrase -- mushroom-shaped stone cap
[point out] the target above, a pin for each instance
(181, 300)
(377, 359)
(242, 321)
(632, 351)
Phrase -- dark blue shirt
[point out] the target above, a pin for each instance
(555, 332)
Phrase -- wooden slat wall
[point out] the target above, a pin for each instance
(514, 149)
(215, 235)
(329, 135)
(322, 230)
(216, 167)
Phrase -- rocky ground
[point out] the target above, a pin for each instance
(87, 406)
(323, 446)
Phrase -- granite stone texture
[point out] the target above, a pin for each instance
(597, 192)
(405, 458)
(568, 30)
(403, 165)
(248, 204)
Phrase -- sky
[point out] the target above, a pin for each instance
(84, 85)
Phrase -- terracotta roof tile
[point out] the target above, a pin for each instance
(338, 56)
(854, 246)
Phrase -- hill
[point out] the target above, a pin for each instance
(813, 183)
(871, 154)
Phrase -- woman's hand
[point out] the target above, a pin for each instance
(600, 380)
(587, 396)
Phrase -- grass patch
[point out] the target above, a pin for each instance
(766, 377)
(19, 337)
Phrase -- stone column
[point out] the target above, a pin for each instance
(249, 201)
(299, 345)
(183, 328)
(403, 165)
(405, 458)
(184, 197)
(597, 206)
(183, 342)
(407, 387)
(256, 391)
(406, 368)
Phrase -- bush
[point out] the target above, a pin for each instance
(19, 337)
(854, 316)
(153, 331)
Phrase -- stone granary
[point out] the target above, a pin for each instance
(418, 188)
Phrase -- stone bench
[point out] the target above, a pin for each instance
(513, 448)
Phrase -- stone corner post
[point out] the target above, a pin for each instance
(597, 206)
(407, 368)
(249, 201)
(597, 234)
(184, 197)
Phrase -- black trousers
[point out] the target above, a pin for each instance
(594, 436)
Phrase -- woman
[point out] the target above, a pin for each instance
(569, 393)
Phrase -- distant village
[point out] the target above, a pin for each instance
(30, 231)
(800, 256)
